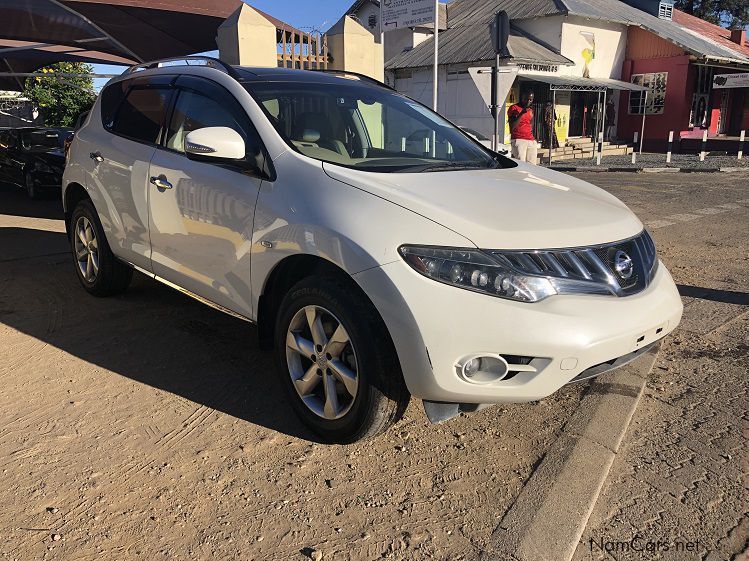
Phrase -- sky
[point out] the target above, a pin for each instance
(302, 14)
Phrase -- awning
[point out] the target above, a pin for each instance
(578, 83)
(138, 30)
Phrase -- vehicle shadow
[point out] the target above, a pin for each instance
(15, 202)
(725, 296)
(151, 334)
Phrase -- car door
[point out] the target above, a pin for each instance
(14, 161)
(4, 150)
(132, 114)
(201, 224)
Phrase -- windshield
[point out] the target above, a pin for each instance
(40, 141)
(368, 128)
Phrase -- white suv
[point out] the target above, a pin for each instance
(381, 251)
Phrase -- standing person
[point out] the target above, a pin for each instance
(520, 118)
(550, 117)
(610, 119)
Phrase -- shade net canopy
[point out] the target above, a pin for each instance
(34, 33)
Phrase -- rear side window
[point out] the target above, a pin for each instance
(111, 97)
(141, 114)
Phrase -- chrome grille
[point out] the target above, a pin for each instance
(594, 265)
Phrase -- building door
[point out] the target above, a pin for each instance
(723, 117)
(582, 113)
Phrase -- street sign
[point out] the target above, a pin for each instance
(500, 32)
(740, 80)
(397, 14)
(482, 78)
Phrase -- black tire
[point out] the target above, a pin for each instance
(113, 276)
(381, 397)
(31, 189)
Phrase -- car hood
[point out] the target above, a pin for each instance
(523, 207)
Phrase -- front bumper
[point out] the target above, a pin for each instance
(434, 326)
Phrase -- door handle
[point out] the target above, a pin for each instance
(96, 156)
(161, 182)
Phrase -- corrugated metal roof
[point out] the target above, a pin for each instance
(467, 38)
(471, 12)
(580, 83)
(465, 11)
(472, 43)
(614, 10)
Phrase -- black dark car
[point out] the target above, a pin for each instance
(33, 158)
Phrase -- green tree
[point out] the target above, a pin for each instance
(728, 13)
(61, 97)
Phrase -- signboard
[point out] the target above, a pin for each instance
(406, 13)
(740, 80)
(482, 77)
(562, 110)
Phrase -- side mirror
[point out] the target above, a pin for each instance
(214, 143)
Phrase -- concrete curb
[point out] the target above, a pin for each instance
(567, 169)
(548, 518)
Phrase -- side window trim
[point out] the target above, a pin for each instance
(178, 88)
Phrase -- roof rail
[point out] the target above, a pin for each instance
(205, 60)
(359, 75)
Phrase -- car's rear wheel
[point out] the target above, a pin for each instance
(337, 361)
(99, 271)
(31, 189)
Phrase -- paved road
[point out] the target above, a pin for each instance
(678, 478)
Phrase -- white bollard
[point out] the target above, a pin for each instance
(741, 144)
(599, 148)
(634, 150)
(704, 145)
(670, 144)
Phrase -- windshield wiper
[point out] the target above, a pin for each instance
(452, 166)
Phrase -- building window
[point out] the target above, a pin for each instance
(654, 102)
(372, 21)
(665, 10)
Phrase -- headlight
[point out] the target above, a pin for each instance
(475, 270)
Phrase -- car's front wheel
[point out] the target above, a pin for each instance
(337, 361)
(99, 271)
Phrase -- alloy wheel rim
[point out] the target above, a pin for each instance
(322, 362)
(86, 249)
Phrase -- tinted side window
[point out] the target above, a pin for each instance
(141, 114)
(194, 110)
(111, 97)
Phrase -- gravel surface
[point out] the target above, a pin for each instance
(679, 478)
(684, 161)
(148, 426)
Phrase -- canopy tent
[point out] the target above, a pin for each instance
(599, 85)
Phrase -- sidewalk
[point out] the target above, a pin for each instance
(681, 162)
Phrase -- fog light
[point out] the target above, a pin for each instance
(483, 369)
(471, 367)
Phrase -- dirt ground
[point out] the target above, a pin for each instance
(149, 426)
